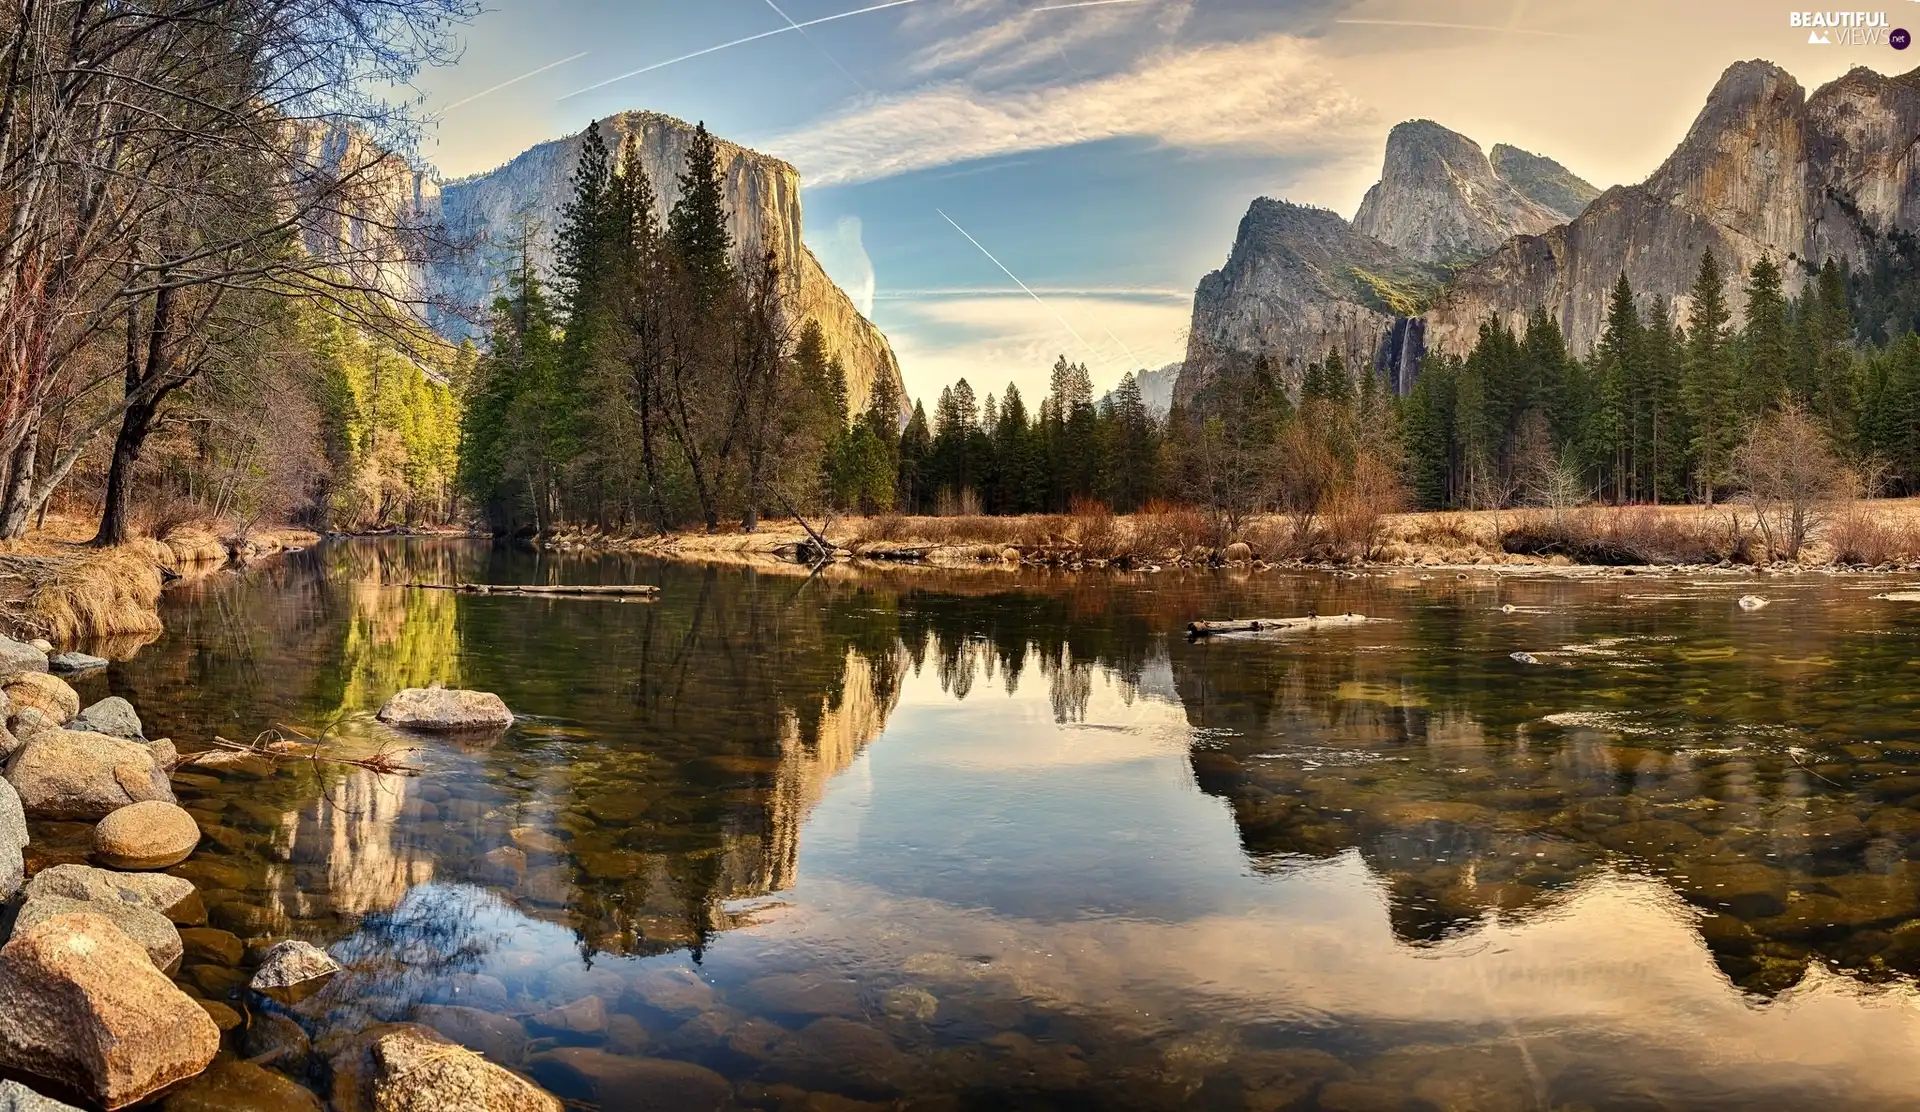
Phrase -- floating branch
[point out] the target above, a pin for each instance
(623, 591)
(272, 747)
(1259, 625)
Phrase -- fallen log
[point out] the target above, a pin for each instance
(632, 590)
(1260, 625)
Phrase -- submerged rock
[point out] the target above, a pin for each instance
(19, 656)
(293, 971)
(15, 1097)
(241, 1086)
(67, 774)
(446, 709)
(113, 716)
(630, 1084)
(86, 1009)
(72, 664)
(1754, 602)
(149, 835)
(498, 1037)
(405, 1067)
(47, 694)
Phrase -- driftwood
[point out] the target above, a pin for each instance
(634, 590)
(1259, 625)
(822, 546)
(274, 748)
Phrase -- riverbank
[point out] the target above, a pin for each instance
(53, 585)
(1875, 535)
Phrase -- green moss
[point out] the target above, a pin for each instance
(1398, 296)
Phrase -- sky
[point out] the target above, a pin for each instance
(1000, 182)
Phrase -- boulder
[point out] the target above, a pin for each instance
(1239, 552)
(66, 774)
(630, 1084)
(13, 839)
(19, 656)
(87, 1010)
(152, 930)
(45, 646)
(498, 1037)
(292, 971)
(112, 716)
(47, 694)
(586, 1016)
(72, 664)
(236, 1085)
(404, 1067)
(27, 722)
(276, 1040)
(446, 709)
(216, 946)
(149, 835)
(10, 744)
(15, 1097)
(171, 896)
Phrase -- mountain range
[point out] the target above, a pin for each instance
(1449, 237)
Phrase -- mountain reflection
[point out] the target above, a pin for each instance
(1759, 767)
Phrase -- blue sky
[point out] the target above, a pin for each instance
(1102, 153)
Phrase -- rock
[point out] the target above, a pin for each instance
(909, 1003)
(586, 1016)
(1440, 200)
(13, 839)
(45, 646)
(113, 716)
(630, 1084)
(151, 835)
(502, 865)
(1525, 658)
(405, 1067)
(87, 1009)
(805, 994)
(216, 946)
(26, 722)
(499, 1038)
(276, 1040)
(171, 896)
(532, 840)
(1239, 552)
(47, 694)
(223, 1017)
(835, 1053)
(240, 1086)
(676, 992)
(1754, 602)
(72, 664)
(66, 774)
(10, 744)
(152, 930)
(20, 656)
(15, 1097)
(293, 971)
(446, 709)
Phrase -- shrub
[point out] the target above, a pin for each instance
(1858, 536)
(1163, 526)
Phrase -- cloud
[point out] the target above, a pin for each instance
(843, 254)
(1270, 96)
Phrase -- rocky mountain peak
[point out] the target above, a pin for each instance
(1440, 200)
(1543, 181)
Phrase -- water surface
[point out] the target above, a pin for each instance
(941, 840)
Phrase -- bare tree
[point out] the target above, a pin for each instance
(1789, 474)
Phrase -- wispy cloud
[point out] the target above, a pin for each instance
(1270, 95)
(843, 254)
(1455, 27)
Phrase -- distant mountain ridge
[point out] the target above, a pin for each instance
(1765, 169)
(1156, 389)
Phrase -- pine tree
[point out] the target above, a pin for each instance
(1712, 391)
(1766, 341)
(1614, 435)
(697, 227)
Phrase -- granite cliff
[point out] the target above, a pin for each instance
(1764, 169)
(1440, 200)
(1302, 281)
(763, 194)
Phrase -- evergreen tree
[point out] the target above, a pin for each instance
(1712, 389)
(1615, 433)
(1766, 340)
(697, 227)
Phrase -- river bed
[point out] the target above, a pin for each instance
(924, 839)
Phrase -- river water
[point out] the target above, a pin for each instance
(937, 840)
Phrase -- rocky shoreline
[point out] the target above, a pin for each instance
(93, 1007)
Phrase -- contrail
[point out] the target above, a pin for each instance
(739, 42)
(1022, 285)
(1086, 4)
(823, 50)
(1455, 26)
(515, 81)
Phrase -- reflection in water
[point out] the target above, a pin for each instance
(1667, 866)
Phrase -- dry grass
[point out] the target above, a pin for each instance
(1162, 529)
(1857, 536)
(115, 592)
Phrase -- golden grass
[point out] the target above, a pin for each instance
(113, 593)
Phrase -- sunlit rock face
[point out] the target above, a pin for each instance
(1765, 169)
(763, 194)
(1440, 200)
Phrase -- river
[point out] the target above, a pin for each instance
(939, 840)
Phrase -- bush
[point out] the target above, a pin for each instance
(1162, 527)
(1857, 536)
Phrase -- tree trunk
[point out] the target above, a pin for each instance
(116, 516)
(17, 509)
